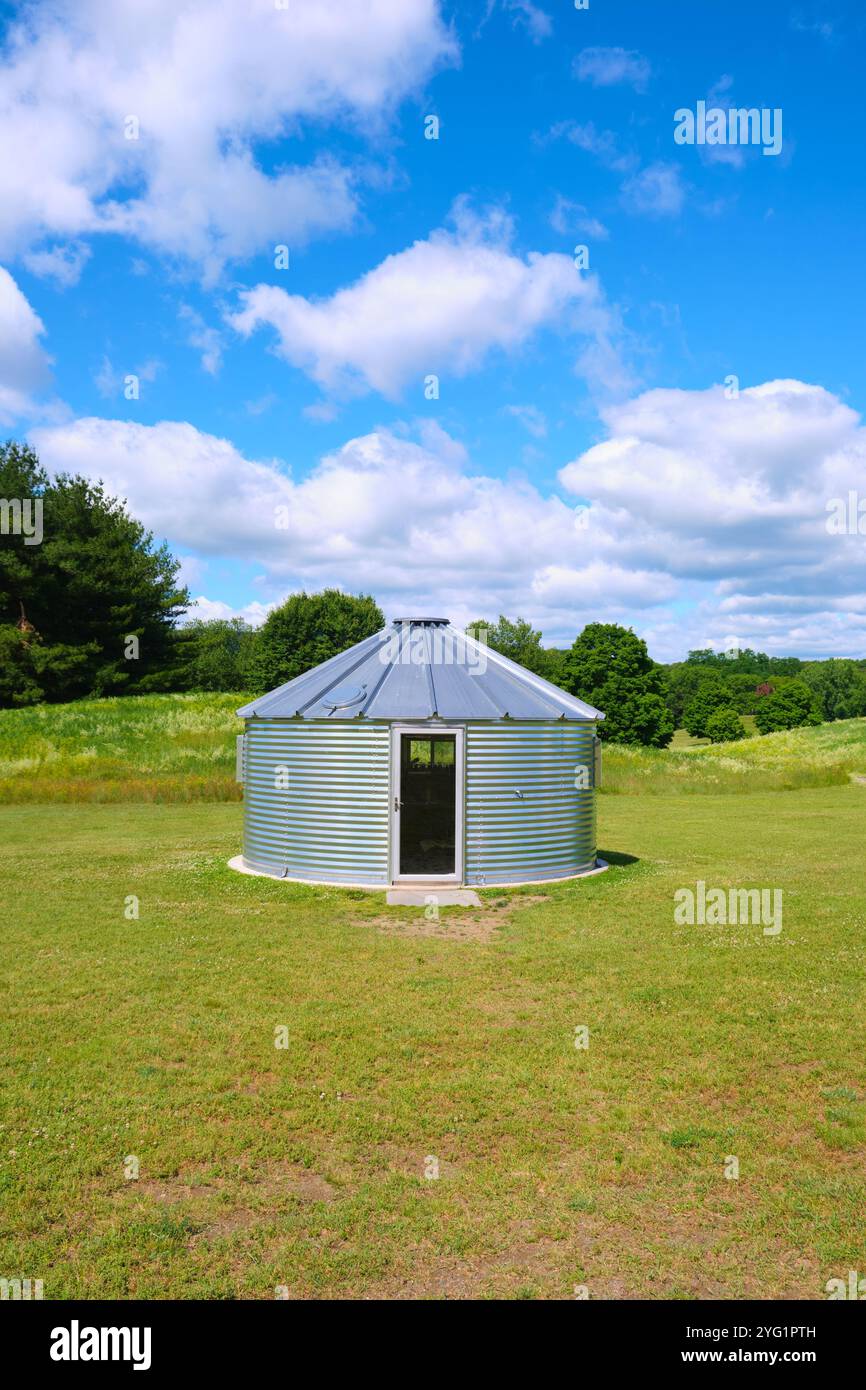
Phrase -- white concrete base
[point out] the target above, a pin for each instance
(237, 863)
(445, 897)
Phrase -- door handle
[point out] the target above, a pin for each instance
(397, 803)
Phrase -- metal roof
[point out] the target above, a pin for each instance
(419, 668)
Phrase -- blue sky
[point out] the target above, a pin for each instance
(584, 459)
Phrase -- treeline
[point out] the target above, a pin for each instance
(90, 606)
(781, 692)
(706, 694)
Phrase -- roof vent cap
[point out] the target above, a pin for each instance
(344, 696)
(425, 622)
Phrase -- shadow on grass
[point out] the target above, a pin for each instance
(612, 856)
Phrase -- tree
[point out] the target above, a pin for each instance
(520, 642)
(610, 668)
(308, 629)
(19, 684)
(681, 681)
(745, 691)
(97, 600)
(840, 685)
(724, 725)
(790, 707)
(709, 696)
(553, 665)
(218, 654)
(745, 661)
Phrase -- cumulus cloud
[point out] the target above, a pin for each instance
(730, 497)
(439, 307)
(656, 191)
(611, 67)
(146, 120)
(194, 487)
(203, 609)
(478, 544)
(23, 361)
(699, 519)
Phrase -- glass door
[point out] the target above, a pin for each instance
(425, 805)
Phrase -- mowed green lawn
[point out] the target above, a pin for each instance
(303, 1167)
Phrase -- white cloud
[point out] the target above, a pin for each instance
(601, 585)
(182, 483)
(107, 379)
(23, 362)
(530, 417)
(62, 264)
(437, 308)
(206, 81)
(706, 519)
(822, 27)
(611, 67)
(657, 191)
(110, 381)
(536, 21)
(568, 217)
(525, 15)
(477, 545)
(602, 144)
(203, 609)
(729, 496)
(208, 340)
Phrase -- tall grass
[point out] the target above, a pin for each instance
(136, 748)
(827, 756)
(181, 748)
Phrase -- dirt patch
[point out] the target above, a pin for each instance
(172, 1190)
(239, 1219)
(450, 1279)
(267, 1180)
(297, 1181)
(694, 1254)
(477, 924)
(480, 928)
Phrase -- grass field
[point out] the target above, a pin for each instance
(180, 748)
(141, 748)
(303, 1167)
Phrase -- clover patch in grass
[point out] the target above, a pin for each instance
(690, 1137)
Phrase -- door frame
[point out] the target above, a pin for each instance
(426, 731)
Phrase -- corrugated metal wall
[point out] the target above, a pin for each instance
(331, 821)
(549, 831)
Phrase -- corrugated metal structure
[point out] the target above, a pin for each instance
(419, 755)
